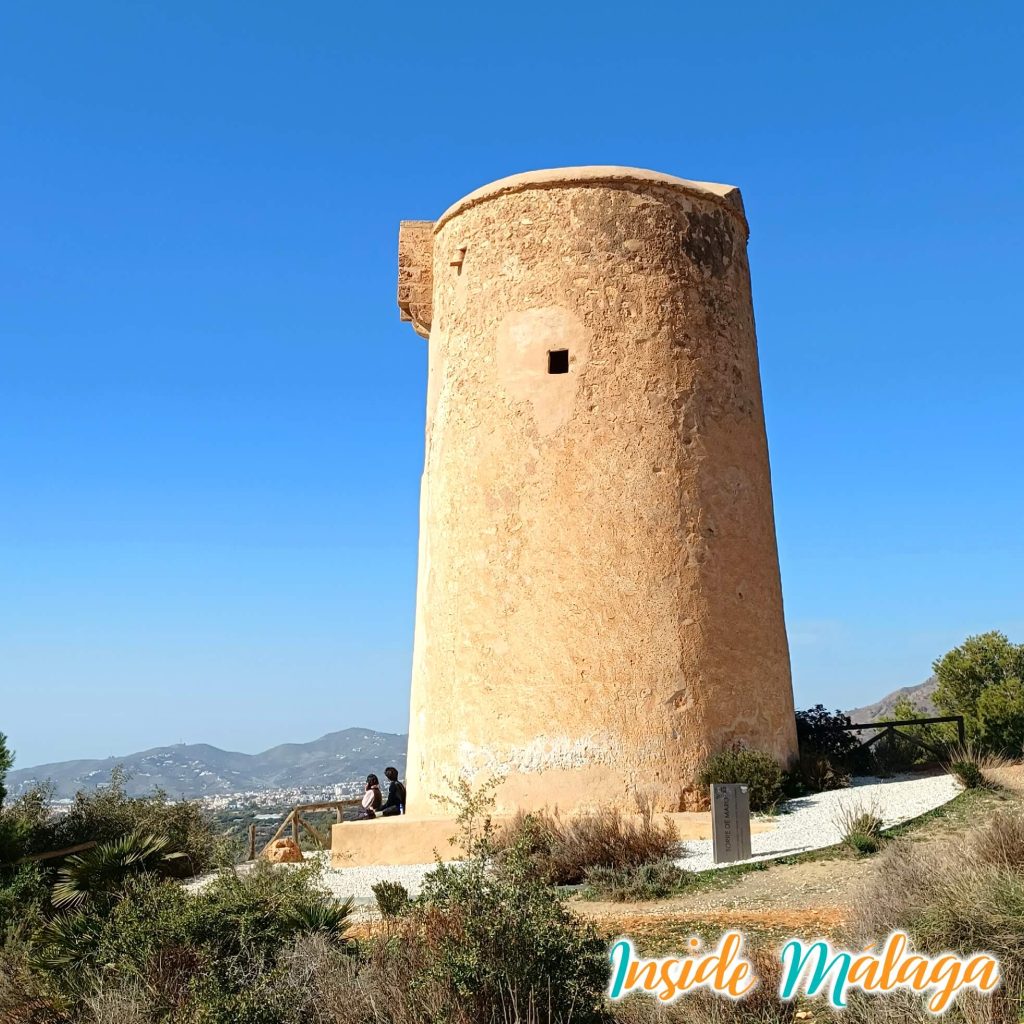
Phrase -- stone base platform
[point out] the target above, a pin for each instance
(408, 840)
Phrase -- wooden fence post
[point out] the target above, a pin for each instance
(252, 841)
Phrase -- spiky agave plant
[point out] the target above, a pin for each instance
(323, 917)
(101, 873)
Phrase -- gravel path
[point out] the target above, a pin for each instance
(357, 882)
(811, 822)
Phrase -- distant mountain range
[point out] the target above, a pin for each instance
(197, 769)
(921, 696)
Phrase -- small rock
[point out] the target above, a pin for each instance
(284, 851)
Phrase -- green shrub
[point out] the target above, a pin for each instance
(109, 813)
(24, 899)
(827, 750)
(981, 680)
(1000, 716)
(206, 956)
(500, 944)
(317, 916)
(487, 940)
(894, 754)
(392, 898)
(6, 763)
(817, 773)
(897, 752)
(759, 771)
(863, 842)
(644, 882)
(974, 768)
(27, 826)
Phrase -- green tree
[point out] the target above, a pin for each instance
(940, 736)
(6, 761)
(1001, 716)
(964, 672)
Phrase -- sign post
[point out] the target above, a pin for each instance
(730, 822)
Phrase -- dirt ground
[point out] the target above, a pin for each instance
(813, 895)
(810, 896)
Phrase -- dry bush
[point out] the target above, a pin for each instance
(327, 986)
(1001, 843)
(973, 767)
(562, 851)
(961, 894)
(23, 998)
(1000, 1007)
(121, 1004)
(761, 1006)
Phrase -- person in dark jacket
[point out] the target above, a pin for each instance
(395, 803)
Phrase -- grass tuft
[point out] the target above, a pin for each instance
(860, 825)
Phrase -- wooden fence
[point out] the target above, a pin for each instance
(895, 729)
(297, 822)
(50, 854)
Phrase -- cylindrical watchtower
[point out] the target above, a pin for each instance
(598, 603)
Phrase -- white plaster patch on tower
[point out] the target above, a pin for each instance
(544, 753)
(525, 339)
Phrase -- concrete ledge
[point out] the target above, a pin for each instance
(408, 840)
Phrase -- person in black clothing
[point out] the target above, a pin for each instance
(395, 803)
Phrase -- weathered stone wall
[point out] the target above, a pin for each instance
(416, 274)
(598, 604)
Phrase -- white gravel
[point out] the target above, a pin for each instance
(345, 882)
(357, 882)
(807, 823)
(811, 822)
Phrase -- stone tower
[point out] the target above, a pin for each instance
(598, 602)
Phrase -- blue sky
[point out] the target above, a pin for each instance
(211, 419)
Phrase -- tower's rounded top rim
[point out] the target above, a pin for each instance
(727, 195)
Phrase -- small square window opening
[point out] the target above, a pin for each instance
(558, 360)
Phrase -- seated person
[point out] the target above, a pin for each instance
(372, 798)
(395, 803)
